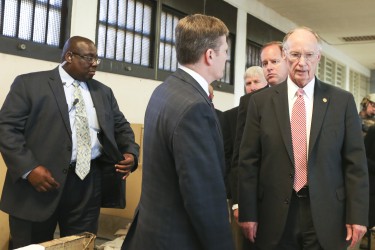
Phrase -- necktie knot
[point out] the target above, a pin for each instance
(76, 84)
(300, 92)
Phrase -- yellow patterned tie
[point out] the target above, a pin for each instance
(82, 135)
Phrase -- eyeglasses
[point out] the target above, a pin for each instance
(272, 62)
(89, 59)
(296, 56)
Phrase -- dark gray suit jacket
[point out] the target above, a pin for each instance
(337, 169)
(35, 130)
(183, 202)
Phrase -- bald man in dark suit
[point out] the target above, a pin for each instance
(326, 207)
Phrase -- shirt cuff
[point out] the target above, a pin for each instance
(235, 206)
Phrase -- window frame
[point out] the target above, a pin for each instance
(126, 68)
(30, 49)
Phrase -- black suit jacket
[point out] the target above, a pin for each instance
(337, 169)
(183, 203)
(229, 126)
(35, 130)
(370, 153)
(240, 124)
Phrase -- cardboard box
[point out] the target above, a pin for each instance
(84, 241)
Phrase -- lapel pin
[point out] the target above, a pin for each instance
(324, 99)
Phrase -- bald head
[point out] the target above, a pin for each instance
(302, 51)
(72, 44)
(80, 58)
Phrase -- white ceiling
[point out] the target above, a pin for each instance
(332, 20)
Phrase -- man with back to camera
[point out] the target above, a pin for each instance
(67, 147)
(302, 166)
(183, 201)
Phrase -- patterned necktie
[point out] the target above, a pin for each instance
(299, 140)
(82, 135)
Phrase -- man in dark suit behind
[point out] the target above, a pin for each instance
(39, 144)
(183, 200)
(275, 71)
(327, 206)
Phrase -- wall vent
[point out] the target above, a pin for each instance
(358, 38)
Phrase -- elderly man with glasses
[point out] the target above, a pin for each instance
(303, 179)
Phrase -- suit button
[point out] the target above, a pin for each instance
(65, 170)
(291, 176)
(286, 201)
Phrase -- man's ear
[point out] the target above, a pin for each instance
(283, 54)
(208, 56)
(68, 57)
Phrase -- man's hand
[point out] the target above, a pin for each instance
(41, 179)
(125, 166)
(249, 229)
(355, 233)
(235, 215)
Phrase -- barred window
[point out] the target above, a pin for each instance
(227, 78)
(331, 71)
(124, 31)
(32, 20)
(252, 54)
(167, 48)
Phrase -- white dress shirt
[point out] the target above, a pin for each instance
(67, 80)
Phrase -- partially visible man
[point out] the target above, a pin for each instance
(367, 113)
(275, 71)
(67, 147)
(303, 180)
(183, 202)
(254, 79)
(273, 64)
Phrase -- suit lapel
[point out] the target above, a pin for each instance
(321, 101)
(58, 91)
(280, 101)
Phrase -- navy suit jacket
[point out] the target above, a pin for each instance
(183, 201)
(35, 130)
(337, 169)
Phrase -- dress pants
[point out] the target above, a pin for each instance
(77, 212)
(299, 232)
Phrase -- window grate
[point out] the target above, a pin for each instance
(228, 69)
(32, 20)
(167, 48)
(124, 31)
(252, 54)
